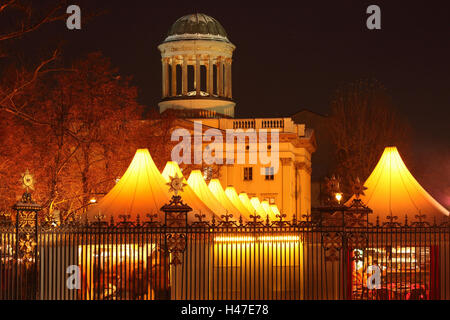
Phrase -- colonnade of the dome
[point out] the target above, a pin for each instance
(196, 75)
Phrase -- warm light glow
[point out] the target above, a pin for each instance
(118, 252)
(268, 212)
(274, 209)
(219, 193)
(110, 258)
(246, 202)
(338, 197)
(198, 184)
(140, 189)
(234, 198)
(188, 194)
(278, 238)
(228, 239)
(392, 190)
(243, 239)
(257, 207)
(93, 200)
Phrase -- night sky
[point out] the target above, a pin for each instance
(292, 56)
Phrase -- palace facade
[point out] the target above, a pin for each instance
(196, 59)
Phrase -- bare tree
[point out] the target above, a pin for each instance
(363, 122)
(19, 18)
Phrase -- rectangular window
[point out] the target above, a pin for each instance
(269, 175)
(248, 174)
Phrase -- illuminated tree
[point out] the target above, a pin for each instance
(91, 112)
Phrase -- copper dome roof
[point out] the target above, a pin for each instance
(196, 26)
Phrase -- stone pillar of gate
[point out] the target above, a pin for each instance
(26, 249)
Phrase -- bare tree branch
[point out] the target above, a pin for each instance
(51, 16)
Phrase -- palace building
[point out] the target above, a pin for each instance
(196, 58)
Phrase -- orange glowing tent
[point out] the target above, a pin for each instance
(257, 207)
(198, 184)
(234, 198)
(216, 189)
(393, 191)
(141, 190)
(268, 211)
(275, 210)
(187, 195)
(246, 202)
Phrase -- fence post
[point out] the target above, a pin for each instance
(26, 247)
(175, 233)
(175, 223)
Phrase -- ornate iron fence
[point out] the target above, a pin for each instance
(309, 258)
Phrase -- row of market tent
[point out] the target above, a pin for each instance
(143, 190)
(391, 191)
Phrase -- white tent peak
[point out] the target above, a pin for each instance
(141, 190)
(216, 189)
(392, 190)
(188, 195)
(198, 184)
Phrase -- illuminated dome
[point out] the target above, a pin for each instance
(196, 26)
(196, 59)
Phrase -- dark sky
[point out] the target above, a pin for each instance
(292, 55)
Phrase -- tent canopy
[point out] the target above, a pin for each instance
(392, 190)
(275, 210)
(216, 189)
(198, 184)
(234, 198)
(141, 190)
(187, 195)
(268, 211)
(246, 202)
(257, 207)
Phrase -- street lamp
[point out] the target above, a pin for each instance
(338, 196)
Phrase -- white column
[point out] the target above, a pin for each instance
(211, 76)
(165, 78)
(207, 74)
(228, 79)
(219, 77)
(197, 75)
(225, 78)
(184, 80)
(230, 91)
(174, 77)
